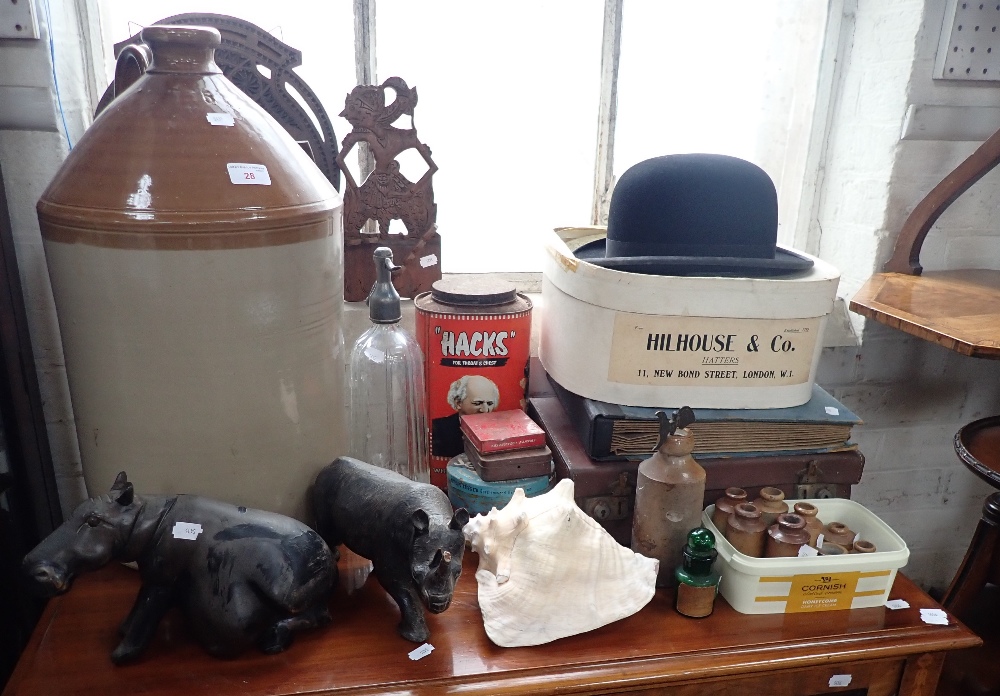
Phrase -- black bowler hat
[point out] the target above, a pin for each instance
(694, 214)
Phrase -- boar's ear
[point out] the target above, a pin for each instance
(120, 481)
(421, 522)
(459, 519)
(127, 494)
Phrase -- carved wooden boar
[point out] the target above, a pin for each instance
(406, 529)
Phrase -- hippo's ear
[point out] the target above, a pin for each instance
(120, 481)
(421, 522)
(459, 519)
(126, 496)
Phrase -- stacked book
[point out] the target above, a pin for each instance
(610, 431)
(505, 446)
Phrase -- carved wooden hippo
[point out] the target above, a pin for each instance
(406, 529)
(240, 576)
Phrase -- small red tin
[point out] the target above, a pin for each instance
(476, 338)
(502, 431)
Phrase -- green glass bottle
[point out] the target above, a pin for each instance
(697, 583)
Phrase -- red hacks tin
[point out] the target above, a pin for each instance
(475, 334)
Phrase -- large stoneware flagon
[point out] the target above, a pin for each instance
(195, 253)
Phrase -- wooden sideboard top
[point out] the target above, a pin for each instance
(955, 309)
(361, 653)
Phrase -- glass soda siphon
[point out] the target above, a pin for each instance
(387, 398)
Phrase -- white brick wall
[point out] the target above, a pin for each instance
(913, 395)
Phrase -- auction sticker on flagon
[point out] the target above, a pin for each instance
(244, 173)
(711, 351)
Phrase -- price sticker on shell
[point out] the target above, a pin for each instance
(708, 351)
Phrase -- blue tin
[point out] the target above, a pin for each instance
(466, 489)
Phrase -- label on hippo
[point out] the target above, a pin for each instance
(475, 363)
(186, 530)
(652, 350)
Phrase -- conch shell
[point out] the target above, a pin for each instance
(547, 570)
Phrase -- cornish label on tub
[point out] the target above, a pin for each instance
(708, 351)
(820, 592)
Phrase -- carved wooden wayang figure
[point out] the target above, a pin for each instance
(387, 195)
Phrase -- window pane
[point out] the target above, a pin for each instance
(508, 104)
(729, 77)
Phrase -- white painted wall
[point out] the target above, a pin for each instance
(29, 157)
(913, 395)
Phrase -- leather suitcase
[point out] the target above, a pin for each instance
(606, 490)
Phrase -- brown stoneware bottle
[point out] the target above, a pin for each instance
(830, 549)
(669, 493)
(746, 531)
(771, 503)
(862, 546)
(196, 259)
(786, 536)
(839, 533)
(724, 507)
(814, 525)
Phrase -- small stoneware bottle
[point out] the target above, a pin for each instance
(669, 495)
(786, 536)
(831, 549)
(746, 531)
(862, 546)
(724, 506)
(771, 503)
(697, 584)
(814, 525)
(839, 533)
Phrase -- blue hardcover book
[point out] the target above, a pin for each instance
(611, 431)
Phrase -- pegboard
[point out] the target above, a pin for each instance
(18, 20)
(970, 42)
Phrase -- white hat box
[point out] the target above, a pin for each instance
(704, 342)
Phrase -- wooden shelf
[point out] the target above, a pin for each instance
(959, 310)
(655, 651)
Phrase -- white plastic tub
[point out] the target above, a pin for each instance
(818, 583)
(704, 342)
